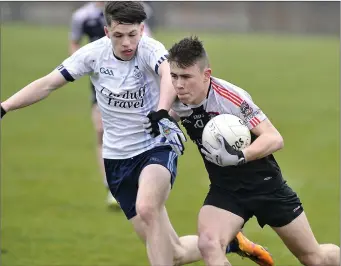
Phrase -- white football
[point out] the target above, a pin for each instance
(231, 127)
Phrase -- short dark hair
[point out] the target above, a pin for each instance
(188, 52)
(124, 12)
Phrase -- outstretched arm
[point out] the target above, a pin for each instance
(35, 91)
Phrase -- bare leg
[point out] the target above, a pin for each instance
(214, 235)
(154, 187)
(185, 248)
(300, 240)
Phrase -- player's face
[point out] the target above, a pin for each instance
(124, 38)
(191, 83)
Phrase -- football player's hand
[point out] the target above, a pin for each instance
(170, 129)
(225, 155)
(161, 123)
(150, 126)
(150, 123)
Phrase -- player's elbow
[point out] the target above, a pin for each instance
(53, 81)
(278, 141)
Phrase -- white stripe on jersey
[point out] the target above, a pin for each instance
(126, 92)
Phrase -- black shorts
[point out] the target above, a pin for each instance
(277, 208)
(93, 94)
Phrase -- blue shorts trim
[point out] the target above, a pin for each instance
(123, 175)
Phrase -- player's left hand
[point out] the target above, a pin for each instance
(171, 131)
(161, 123)
(225, 155)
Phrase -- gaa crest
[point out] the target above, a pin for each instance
(137, 73)
(245, 109)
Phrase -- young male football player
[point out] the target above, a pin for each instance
(131, 77)
(89, 21)
(243, 183)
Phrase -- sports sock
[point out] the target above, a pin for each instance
(232, 247)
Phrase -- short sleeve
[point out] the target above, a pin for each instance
(77, 65)
(154, 53)
(238, 102)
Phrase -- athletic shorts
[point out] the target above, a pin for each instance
(123, 175)
(276, 208)
(93, 94)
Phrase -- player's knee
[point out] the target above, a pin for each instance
(312, 259)
(207, 244)
(147, 211)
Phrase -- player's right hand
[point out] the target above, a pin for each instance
(150, 124)
(225, 155)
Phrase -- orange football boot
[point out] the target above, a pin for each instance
(253, 251)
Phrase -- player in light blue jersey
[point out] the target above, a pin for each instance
(131, 77)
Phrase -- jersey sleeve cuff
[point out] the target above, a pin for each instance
(255, 120)
(65, 73)
(163, 58)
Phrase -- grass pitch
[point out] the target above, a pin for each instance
(53, 208)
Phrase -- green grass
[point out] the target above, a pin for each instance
(52, 199)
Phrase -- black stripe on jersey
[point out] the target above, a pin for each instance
(65, 73)
(163, 58)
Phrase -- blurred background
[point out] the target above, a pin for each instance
(53, 210)
(318, 17)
